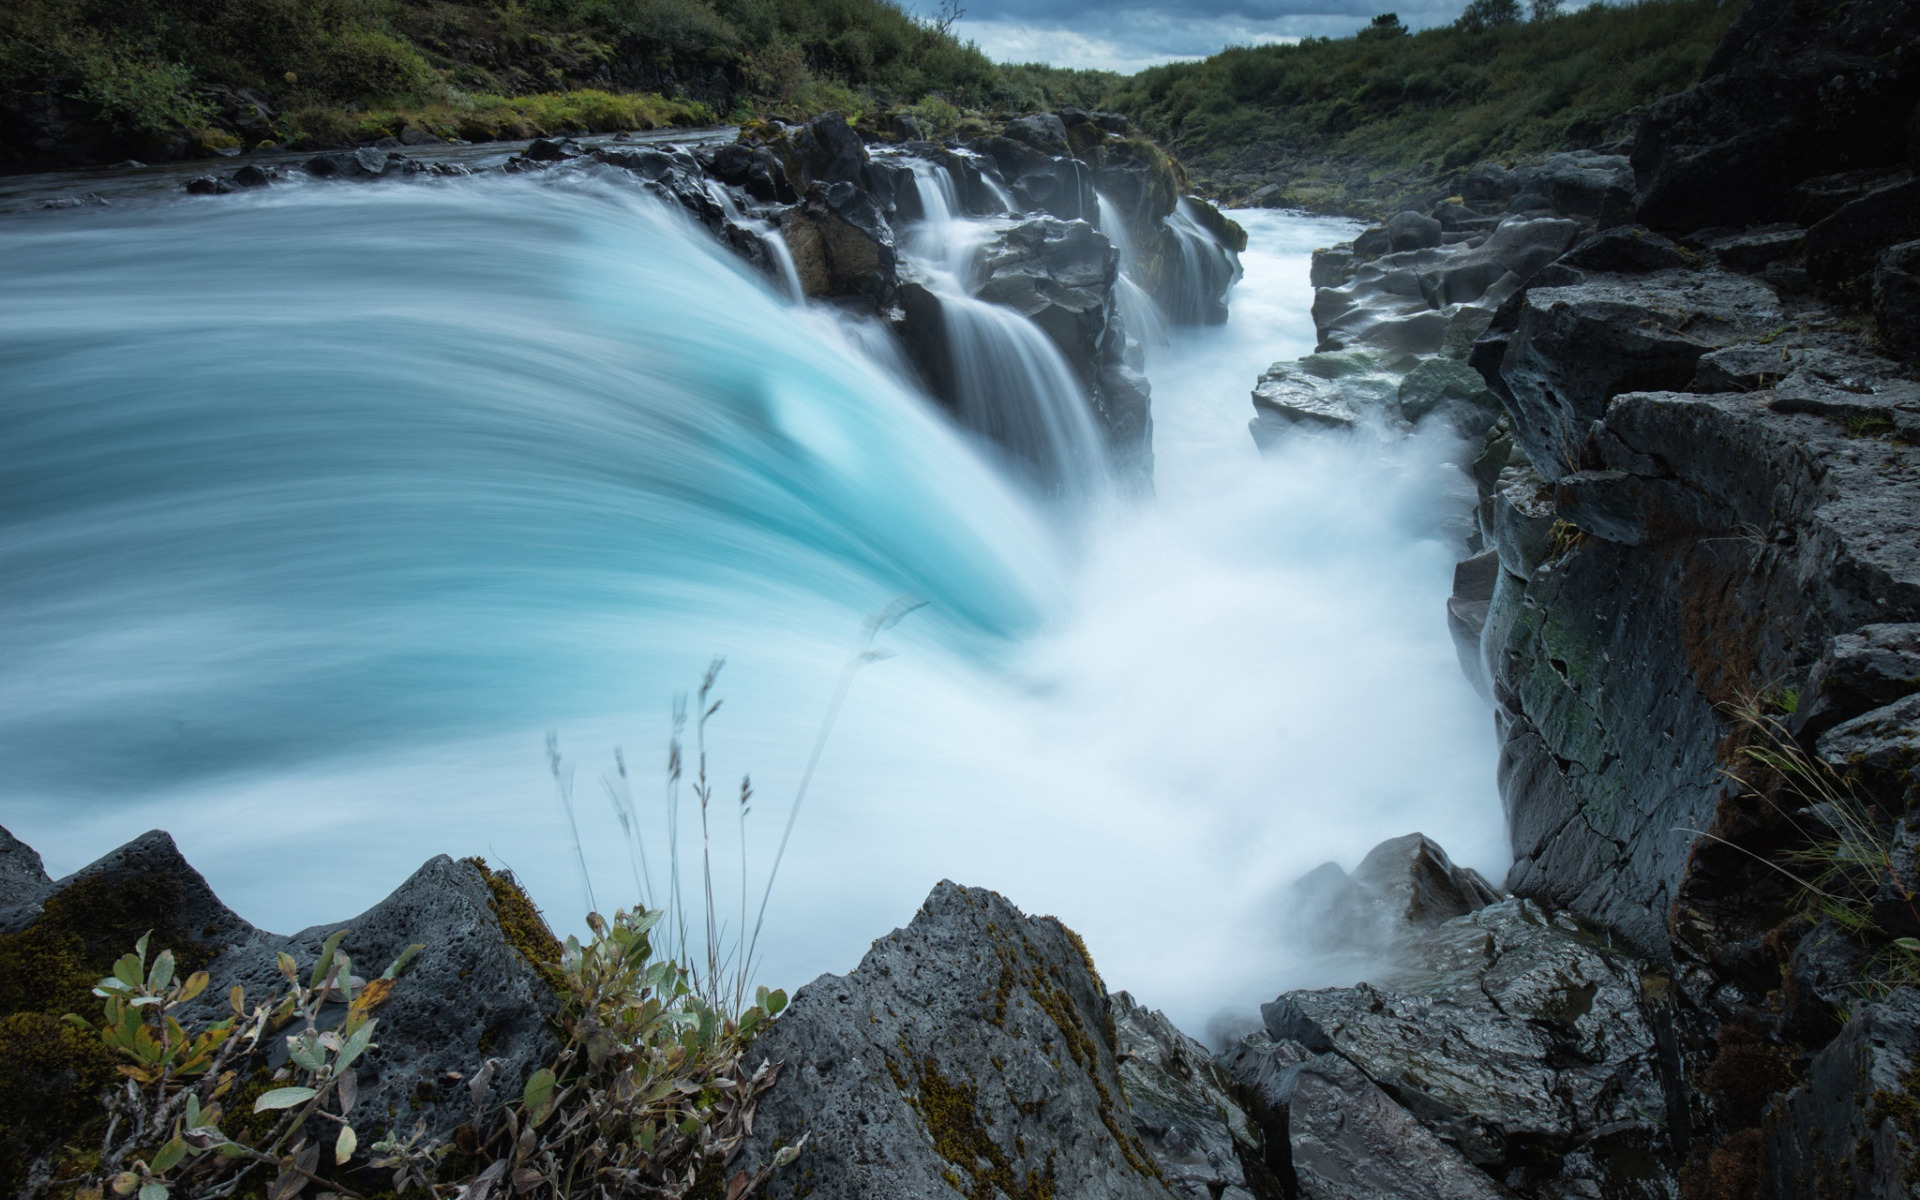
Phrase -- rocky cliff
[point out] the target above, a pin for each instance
(1692, 592)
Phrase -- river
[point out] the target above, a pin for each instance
(320, 508)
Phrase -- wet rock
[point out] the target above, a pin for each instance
(1042, 182)
(1473, 583)
(208, 185)
(85, 200)
(1044, 132)
(1060, 274)
(1332, 266)
(825, 150)
(545, 150)
(1896, 299)
(1850, 1130)
(1873, 666)
(755, 169)
(841, 244)
(971, 1050)
(1452, 389)
(1576, 347)
(1412, 302)
(251, 176)
(1184, 1110)
(1761, 535)
(1795, 90)
(1519, 1040)
(22, 875)
(1404, 885)
(1522, 526)
(364, 163)
(1880, 749)
(1334, 1135)
(1627, 250)
(1284, 399)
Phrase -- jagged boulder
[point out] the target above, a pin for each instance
(473, 995)
(1521, 1040)
(22, 875)
(1575, 347)
(971, 1051)
(825, 150)
(1332, 1134)
(842, 245)
(1060, 275)
(1185, 1109)
(1860, 671)
(1580, 183)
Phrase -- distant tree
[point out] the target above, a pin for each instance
(950, 11)
(1386, 25)
(1489, 14)
(1545, 10)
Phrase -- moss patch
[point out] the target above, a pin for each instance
(520, 920)
(950, 1111)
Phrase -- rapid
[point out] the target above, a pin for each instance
(320, 509)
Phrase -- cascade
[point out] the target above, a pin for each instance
(324, 505)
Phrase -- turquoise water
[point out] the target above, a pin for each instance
(320, 508)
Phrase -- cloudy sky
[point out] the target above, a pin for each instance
(1126, 35)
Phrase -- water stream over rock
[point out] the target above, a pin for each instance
(324, 505)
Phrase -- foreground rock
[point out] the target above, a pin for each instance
(1852, 1128)
(972, 1051)
(471, 996)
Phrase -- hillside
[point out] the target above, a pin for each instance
(100, 79)
(1352, 124)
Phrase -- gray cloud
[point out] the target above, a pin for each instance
(1126, 35)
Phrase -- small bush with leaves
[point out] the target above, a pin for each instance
(650, 1093)
(164, 1131)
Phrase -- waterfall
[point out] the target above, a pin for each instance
(1006, 381)
(1138, 312)
(320, 506)
(1204, 269)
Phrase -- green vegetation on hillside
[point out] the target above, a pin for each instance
(1422, 104)
(341, 70)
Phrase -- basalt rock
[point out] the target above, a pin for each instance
(1404, 886)
(1722, 543)
(1797, 89)
(1332, 1134)
(1896, 299)
(1575, 347)
(971, 1051)
(1520, 1040)
(471, 996)
(841, 244)
(22, 875)
(1873, 666)
(1185, 1109)
(1851, 1129)
(825, 150)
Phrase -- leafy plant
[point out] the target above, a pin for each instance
(649, 1093)
(165, 1131)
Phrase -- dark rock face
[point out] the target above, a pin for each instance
(1185, 1109)
(1060, 275)
(1863, 670)
(1686, 592)
(1334, 1135)
(1896, 299)
(468, 997)
(1797, 89)
(1851, 1129)
(1518, 1040)
(22, 876)
(972, 1051)
(841, 244)
(1576, 347)
(1580, 183)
